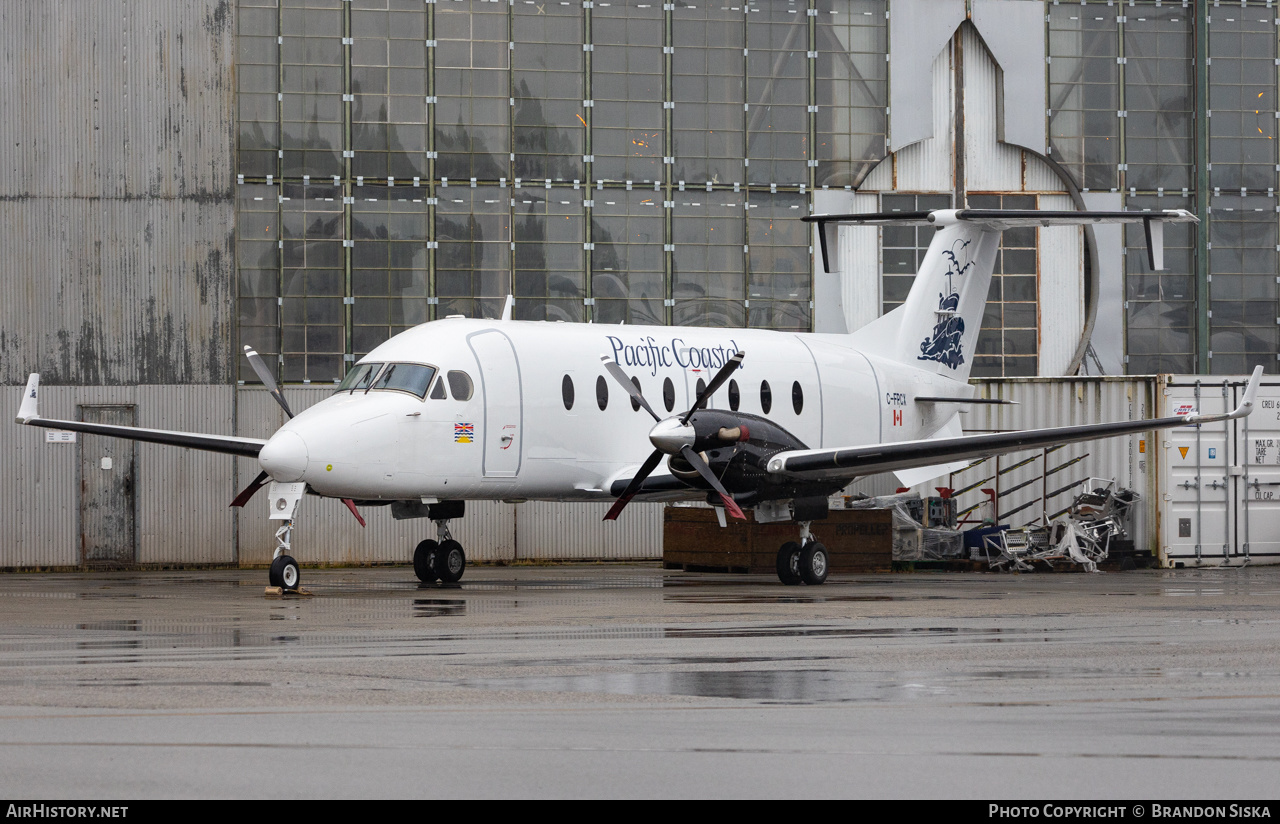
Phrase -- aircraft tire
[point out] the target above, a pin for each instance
(284, 573)
(450, 562)
(814, 562)
(424, 561)
(788, 565)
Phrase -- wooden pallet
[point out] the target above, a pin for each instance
(857, 540)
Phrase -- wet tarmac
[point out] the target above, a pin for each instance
(616, 680)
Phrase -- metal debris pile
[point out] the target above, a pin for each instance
(922, 528)
(1082, 535)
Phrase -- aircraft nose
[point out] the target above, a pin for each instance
(284, 457)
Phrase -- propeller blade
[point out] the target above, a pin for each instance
(621, 377)
(351, 505)
(634, 486)
(264, 375)
(254, 485)
(716, 383)
(697, 463)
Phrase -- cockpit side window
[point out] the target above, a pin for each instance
(437, 391)
(360, 376)
(407, 377)
(460, 386)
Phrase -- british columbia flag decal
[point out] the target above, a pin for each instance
(464, 432)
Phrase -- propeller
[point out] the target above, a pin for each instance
(673, 436)
(264, 375)
(269, 381)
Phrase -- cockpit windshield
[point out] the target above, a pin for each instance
(407, 377)
(360, 376)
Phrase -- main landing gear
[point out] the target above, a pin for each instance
(440, 560)
(805, 562)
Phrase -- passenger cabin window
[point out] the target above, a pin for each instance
(360, 376)
(797, 397)
(700, 388)
(602, 392)
(407, 377)
(635, 404)
(668, 394)
(460, 386)
(566, 392)
(766, 397)
(735, 397)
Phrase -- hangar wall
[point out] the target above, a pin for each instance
(116, 192)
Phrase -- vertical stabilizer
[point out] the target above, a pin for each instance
(939, 323)
(937, 327)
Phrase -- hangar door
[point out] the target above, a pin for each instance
(1220, 482)
(107, 483)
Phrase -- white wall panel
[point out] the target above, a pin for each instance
(1061, 290)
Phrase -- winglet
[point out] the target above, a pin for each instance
(30, 397)
(1250, 394)
(1246, 403)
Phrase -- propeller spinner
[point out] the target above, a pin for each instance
(674, 436)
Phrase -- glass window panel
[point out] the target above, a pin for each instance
(1084, 92)
(851, 88)
(473, 112)
(1160, 301)
(628, 263)
(1159, 98)
(627, 122)
(708, 88)
(777, 91)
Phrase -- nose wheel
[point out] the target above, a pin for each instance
(284, 573)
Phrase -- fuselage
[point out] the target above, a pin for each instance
(523, 410)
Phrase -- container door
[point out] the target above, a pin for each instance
(1221, 481)
(1258, 522)
(1197, 460)
(503, 424)
(107, 484)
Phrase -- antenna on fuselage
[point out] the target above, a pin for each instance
(508, 306)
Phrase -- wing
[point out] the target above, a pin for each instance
(857, 461)
(28, 415)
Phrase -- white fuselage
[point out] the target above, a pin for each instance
(517, 437)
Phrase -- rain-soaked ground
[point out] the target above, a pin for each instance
(631, 681)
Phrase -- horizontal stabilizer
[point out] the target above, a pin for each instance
(1009, 218)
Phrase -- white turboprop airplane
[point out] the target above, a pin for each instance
(463, 409)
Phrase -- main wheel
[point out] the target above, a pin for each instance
(813, 563)
(450, 561)
(284, 573)
(424, 561)
(789, 563)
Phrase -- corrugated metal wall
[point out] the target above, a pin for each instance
(182, 495)
(116, 191)
(1051, 476)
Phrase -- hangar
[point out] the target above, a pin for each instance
(310, 177)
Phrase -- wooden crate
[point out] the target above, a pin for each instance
(857, 540)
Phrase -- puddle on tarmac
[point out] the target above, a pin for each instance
(793, 686)
(434, 607)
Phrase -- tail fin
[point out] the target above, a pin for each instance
(937, 327)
